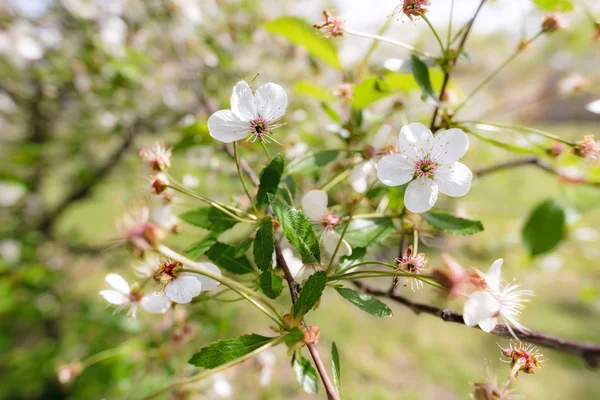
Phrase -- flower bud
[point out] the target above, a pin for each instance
(344, 91)
(311, 334)
(551, 24)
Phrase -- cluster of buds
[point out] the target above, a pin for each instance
(587, 148)
(414, 8)
(333, 25)
(412, 263)
(527, 357)
(551, 24)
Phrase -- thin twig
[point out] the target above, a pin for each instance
(589, 352)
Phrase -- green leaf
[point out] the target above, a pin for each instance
(446, 222)
(197, 249)
(335, 361)
(224, 256)
(331, 113)
(289, 193)
(209, 218)
(294, 336)
(365, 302)
(300, 32)
(421, 74)
(544, 228)
(314, 162)
(306, 375)
(223, 351)
(368, 232)
(243, 247)
(298, 231)
(503, 145)
(309, 295)
(554, 5)
(270, 284)
(358, 253)
(310, 89)
(270, 177)
(264, 244)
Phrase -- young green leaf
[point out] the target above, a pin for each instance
(449, 223)
(309, 295)
(303, 34)
(209, 218)
(264, 244)
(544, 228)
(554, 5)
(314, 162)
(315, 91)
(421, 74)
(223, 351)
(298, 230)
(270, 177)
(224, 256)
(294, 336)
(195, 250)
(270, 284)
(368, 232)
(306, 375)
(331, 113)
(365, 302)
(335, 361)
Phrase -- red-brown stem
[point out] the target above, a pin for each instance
(589, 352)
(451, 62)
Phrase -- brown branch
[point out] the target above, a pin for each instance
(330, 389)
(536, 162)
(589, 352)
(451, 63)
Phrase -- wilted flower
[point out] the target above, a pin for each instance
(181, 287)
(486, 307)
(333, 25)
(314, 204)
(453, 278)
(124, 296)
(135, 229)
(344, 91)
(158, 156)
(413, 263)
(587, 148)
(255, 114)
(414, 8)
(551, 24)
(429, 163)
(526, 356)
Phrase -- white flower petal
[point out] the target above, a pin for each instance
(454, 179)
(305, 272)
(314, 204)
(294, 263)
(226, 127)
(421, 195)
(117, 282)
(492, 278)
(183, 289)
(114, 297)
(207, 283)
(415, 141)
(488, 325)
(156, 303)
(449, 146)
(479, 307)
(330, 239)
(594, 107)
(358, 178)
(271, 101)
(243, 103)
(395, 169)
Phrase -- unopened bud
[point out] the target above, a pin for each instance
(551, 24)
(311, 334)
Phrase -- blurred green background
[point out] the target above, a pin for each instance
(86, 83)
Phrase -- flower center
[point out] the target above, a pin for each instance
(425, 168)
(330, 220)
(259, 127)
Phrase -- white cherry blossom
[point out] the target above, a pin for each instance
(182, 287)
(593, 107)
(488, 306)
(123, 296)
(429, 163)
(255, 114)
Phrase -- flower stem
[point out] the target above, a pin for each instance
(337, 247)
(484, 124)
(378, 273)
(434, 33)
(266, 149)
(449, 38)
(497, 71)
(220, 368)
(239, 171)
(243, 291)
(390, 41)
(335, 180)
